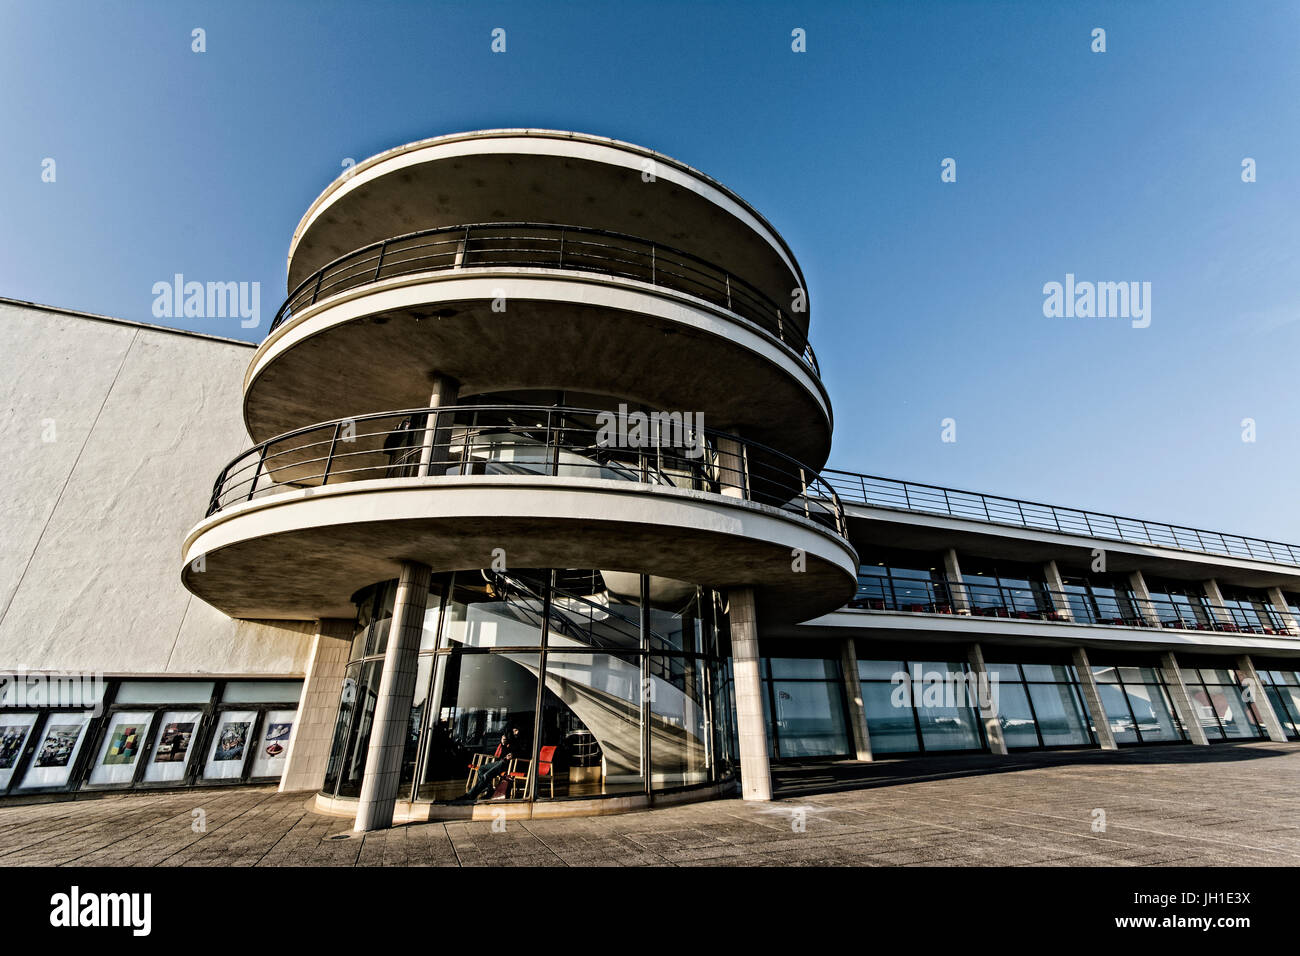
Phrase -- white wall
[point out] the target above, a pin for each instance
(91, 523)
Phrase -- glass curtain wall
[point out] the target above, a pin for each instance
(1137, 705)
(549, 684)
(1283, 689)
(1220, 706)
(1006, 589)
(803, 701)
(1101, 599)
(894, 579)
(1040, 705)
(919, 706)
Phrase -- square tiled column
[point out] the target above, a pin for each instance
(755, 771)
(391, 722)
(318, 708)
(1092, 697)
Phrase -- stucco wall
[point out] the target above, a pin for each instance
(91, 522)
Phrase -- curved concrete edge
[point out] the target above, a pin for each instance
(574, 499)
(302, 553)
(558, 143)
(539, 284)
(408, 811)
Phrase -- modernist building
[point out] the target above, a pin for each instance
(536, 447)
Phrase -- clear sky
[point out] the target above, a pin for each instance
(926, 297)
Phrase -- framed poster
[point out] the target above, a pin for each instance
(14, 729)
(56, 752)
(172, 746)
(230, 744)
(273, 745)
(118, 754)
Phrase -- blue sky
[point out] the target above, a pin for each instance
(926, 296)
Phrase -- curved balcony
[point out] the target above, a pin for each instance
(548, 176)
(543, 245)
(533, 307)
(296, 524)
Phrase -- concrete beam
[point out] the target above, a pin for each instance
(755, 769)
(1056, 585)
(390, 725)
(988, 715)
(1259, 700)
(853, 694)
(1092, 697)
(1182, 701)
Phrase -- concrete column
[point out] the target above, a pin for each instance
(1263, 706)
(1146, 607)
(755, 772)
(952, 570)
(391, 721)
(1279, 605)
(1092, 697)
(318, 708)
(433, 446)
(853, 694)
(1056, 585)
(1182, 700)
(992, 726)
(1278, 601)
(1214, 597)
(731, 467)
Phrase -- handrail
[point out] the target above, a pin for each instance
(528, 440)
(549, 245)
(879, 492)
(1041, 603)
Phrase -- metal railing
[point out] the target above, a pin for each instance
(921, 596)
(528, 440)
(550, 246)
(909, 496)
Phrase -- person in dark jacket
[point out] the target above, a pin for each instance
(513, 744)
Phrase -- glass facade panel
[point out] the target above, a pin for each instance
(890, 720)
(165, 692)
(1019, 729)
(261, 691)
(808, 719)
(1061, 718)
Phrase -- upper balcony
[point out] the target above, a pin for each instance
(297, 524)
(914, 515)
(522, 306)
(544, 176)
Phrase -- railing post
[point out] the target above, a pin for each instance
(261, 460)
(329, 457)
(727, 276)
(561, 248)
(380, 264)
(746, 486)
(653, 279)
(316, 289)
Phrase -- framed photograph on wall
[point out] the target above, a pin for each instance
(173, 746)
(120, 751)
(14, 730)
(56, 753)
(230, 745)
(273, 747)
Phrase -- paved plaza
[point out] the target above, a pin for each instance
(1223, 805)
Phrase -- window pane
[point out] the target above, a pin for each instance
(809, 719)
(879, 670)
(164, 692)
(1061, 720)
(813, 668)
(592, 717)
(1114, 703)
(1154, 721)
(889, 718)
(1015, 716)
(262, 691)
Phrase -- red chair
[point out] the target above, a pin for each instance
(545, 771)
